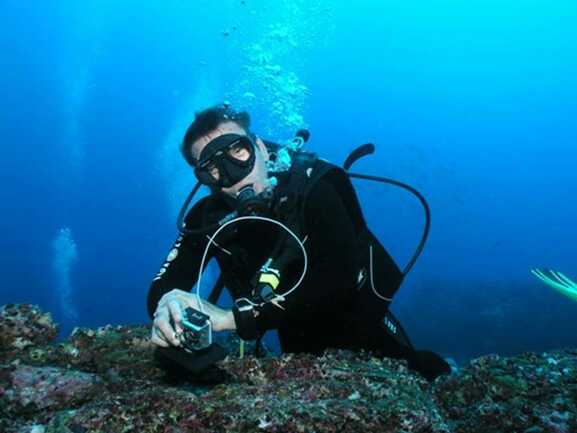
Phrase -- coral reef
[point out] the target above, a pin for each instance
(107, 380)
(531, 393)
(24, 325)
(32, 390)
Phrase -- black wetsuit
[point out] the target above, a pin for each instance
(323, 311)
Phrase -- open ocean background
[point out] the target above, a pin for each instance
(473, 103)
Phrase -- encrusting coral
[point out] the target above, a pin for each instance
(107, 380)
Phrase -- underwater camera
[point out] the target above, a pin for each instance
(197, 351)
(197, 330)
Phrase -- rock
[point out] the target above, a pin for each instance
(528, 393)
(150, 409)
(107, 379)
(28, 390)
(23, 326)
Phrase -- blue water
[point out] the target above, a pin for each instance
(473, 103)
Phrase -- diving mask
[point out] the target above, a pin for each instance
(226, 160)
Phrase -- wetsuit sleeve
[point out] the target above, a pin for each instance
(179, 270)
(331, 275)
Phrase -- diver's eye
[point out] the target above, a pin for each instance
(212, 169)
(239, 151)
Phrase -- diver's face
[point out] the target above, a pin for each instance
(257, 177)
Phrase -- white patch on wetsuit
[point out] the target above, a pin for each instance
(361, 278)
(172, 255)
(390, 325)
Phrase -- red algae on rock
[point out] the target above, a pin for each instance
(24, 325)
(529, 393)
(30, 389)
(107, 380)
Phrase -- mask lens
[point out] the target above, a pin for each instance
(210, 168)
(207, 172)
(226, 160)
(239, 151)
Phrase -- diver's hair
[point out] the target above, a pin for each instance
(208, 120)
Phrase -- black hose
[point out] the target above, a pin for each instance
(184, 208)
(424, 203)
(180, 220)
(358, 153)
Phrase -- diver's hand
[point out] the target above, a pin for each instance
(222, 320)
(167, 324)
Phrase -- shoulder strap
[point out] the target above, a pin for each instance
(289, 198)
(290, 194)
(337, 177)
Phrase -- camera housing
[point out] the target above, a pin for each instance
(197, 330)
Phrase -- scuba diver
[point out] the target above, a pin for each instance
(293, 248)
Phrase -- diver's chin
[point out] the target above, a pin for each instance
(237, 187)
(260, 187)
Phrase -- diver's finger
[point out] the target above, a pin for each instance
(156, 331)
(176, 313)
(156, 335)
(158, 340)
(163, 327)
